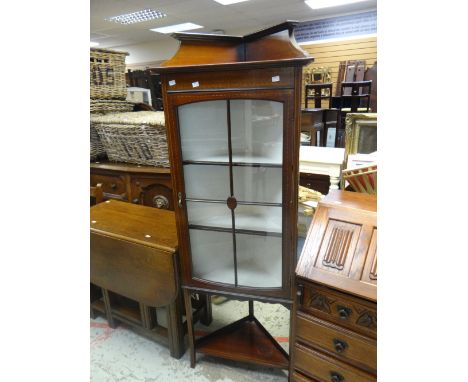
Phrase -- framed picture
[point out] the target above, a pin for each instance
(361, 134)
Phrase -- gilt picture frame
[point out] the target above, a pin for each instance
(361, 134)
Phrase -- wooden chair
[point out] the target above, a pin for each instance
(317, 93)
(360, 91)
(354, 97)
(97, 194)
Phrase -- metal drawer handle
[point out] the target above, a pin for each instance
(336, 377)
(343, 312)
(340, 345)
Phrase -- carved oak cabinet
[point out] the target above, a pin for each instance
(335, 312)
(232, 114)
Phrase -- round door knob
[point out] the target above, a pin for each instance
(340, 346)
(343, 312)
(336, 377)
(113, 186)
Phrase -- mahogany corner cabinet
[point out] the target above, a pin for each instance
(232, 108)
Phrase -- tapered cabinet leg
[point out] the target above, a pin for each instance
(190, 330)
(207, 315)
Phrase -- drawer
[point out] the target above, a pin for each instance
(114, 186)
(298, 377)
(344, 344)
(267, 78)
(323, 368)
(356, 314)
(153, 191)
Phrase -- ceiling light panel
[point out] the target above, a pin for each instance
(177, 28)
(228, 2)
(138, 17)
(319, 4)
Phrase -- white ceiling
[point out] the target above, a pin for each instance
(235, 19)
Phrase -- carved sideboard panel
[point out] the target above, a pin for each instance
(147, 185)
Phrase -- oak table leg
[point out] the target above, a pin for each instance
(110, 318)
(175, 330)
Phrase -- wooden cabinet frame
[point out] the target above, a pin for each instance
(263, 66)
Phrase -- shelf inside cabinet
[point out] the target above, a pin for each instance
(250, 274)
(245, 340)
(247, 217)
(237, 160)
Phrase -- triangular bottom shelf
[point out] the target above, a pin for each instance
(245, 340)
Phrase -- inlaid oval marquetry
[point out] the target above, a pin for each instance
(231, 202)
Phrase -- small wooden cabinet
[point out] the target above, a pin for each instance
(335, 311)
(147, 185)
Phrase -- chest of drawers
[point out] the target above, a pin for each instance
(335, 311)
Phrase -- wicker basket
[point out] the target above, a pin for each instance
(107, 74)
(96, 147)
(362, 179)
(136, 137)
(106, 106)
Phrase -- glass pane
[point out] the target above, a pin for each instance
(203, 131)
(206, 182)
(259, 262)
(212, 256)
(258, 184)
(259, 218)
(209, 214)
(257, 131)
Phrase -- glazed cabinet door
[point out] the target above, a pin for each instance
(232, 164)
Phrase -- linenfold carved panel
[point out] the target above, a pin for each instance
(339, 243)
(373, 271)
(370, 269)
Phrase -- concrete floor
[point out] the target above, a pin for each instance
(122, 355)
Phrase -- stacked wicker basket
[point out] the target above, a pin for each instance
(108, 91)
(116, 131)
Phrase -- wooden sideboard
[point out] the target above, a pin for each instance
(147, 185)
(334, 329)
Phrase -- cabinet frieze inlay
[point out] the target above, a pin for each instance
(367, 318)
(320, 302)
